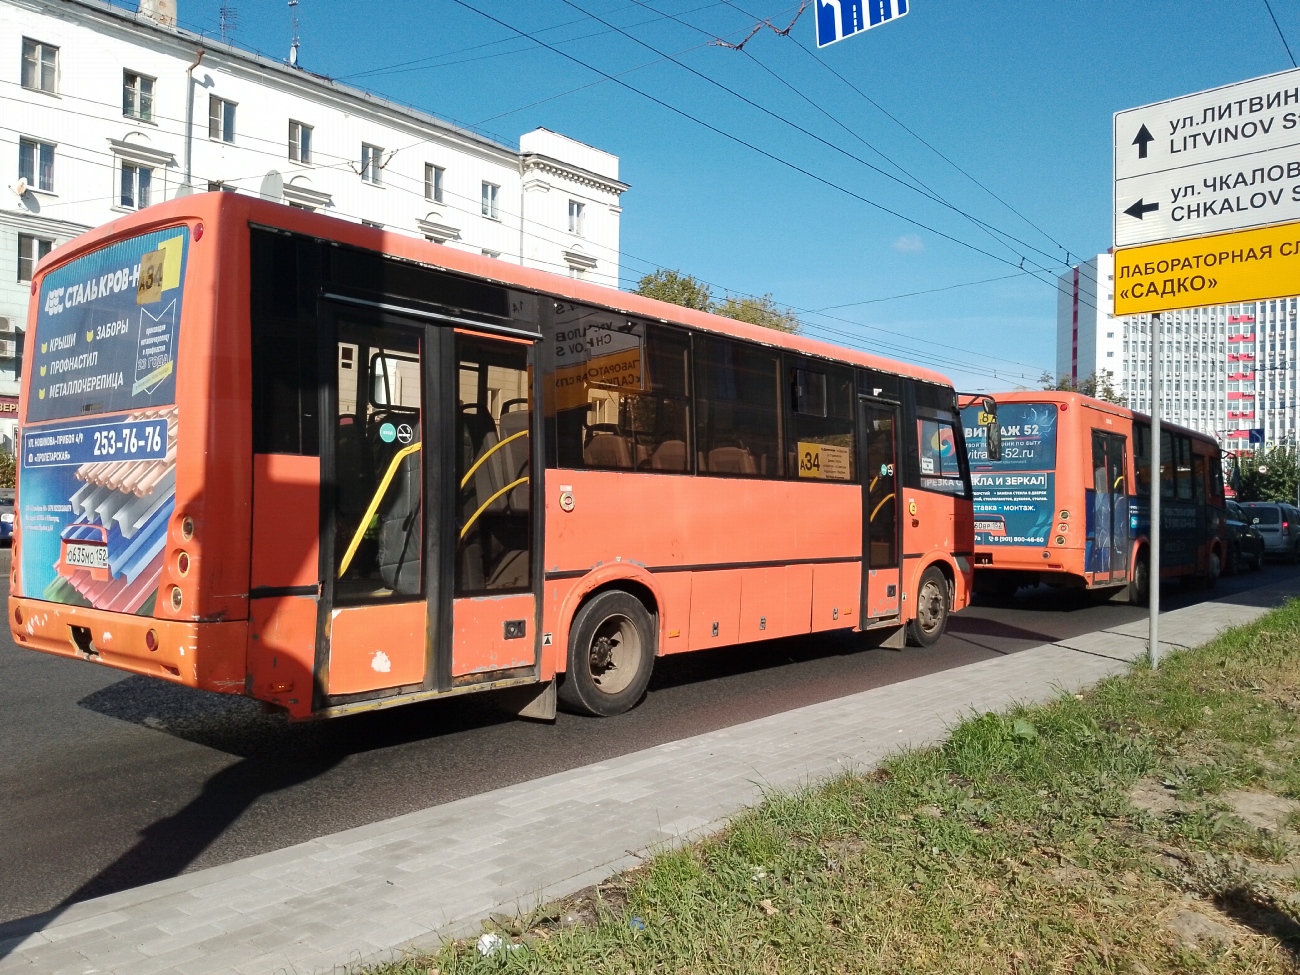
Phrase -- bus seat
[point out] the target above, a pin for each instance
(399, 529)
(731, 460)
(607, 450)
(515, 454)
(669, 456)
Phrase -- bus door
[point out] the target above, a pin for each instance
(881, 546)
(1108, 529)
(420, 595)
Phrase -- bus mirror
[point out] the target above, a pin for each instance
(992, 432)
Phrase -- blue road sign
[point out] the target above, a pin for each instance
(1257, 435)
(838, 19)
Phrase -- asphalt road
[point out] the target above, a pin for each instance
(110, 781)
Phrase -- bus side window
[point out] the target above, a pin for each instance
(1142, 458)
(1198, 478)
(1185, 477)
(738, 399)
(820, 420)
(1166, 464)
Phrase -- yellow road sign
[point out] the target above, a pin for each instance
(1246, 265)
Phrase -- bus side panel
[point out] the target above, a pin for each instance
(715, 608)
(286, 521)
(674, 611)
(763, 604)
(837, 589)
(798, 599)
(376, 647)
(282, 651)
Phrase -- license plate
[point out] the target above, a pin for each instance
(85, 556)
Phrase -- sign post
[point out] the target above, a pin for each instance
(1153, 558)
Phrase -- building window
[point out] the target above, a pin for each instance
(30, 250)
(40, 66)
(137, 96)
(433, 182)
(577, 217)
(371, 163)
(300, 142)
(491, 253)
(489, 207)
(136, 182)
(36, 164)
(221, 119)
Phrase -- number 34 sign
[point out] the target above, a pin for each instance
(824, 461)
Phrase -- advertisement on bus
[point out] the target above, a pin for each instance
(1015, 497)
(98, 490)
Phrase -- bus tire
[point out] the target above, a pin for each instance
(1139, 587)
(932, 602)
(611, 654)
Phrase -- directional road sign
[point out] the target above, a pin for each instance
(838, 19)
(1218, 160)
(1247, 265)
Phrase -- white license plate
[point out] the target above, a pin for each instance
(86, 556)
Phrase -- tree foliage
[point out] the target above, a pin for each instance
(1268, 474)
(690, 292)
(6, 469)
(1099, 387)
(678, 289)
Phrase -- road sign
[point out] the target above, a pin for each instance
(838, 19)
(1249, 265)
(1257, 435)
(1219, 160)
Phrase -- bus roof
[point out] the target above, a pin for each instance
(222, 207)
(1079, 400)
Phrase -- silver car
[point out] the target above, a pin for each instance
(1279, 524)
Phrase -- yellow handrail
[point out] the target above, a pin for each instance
(374, 505)
(876, 510)
(495, 447)
(483, 507)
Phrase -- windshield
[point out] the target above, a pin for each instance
(1028, 437)
(1264, 514)
(106, 329)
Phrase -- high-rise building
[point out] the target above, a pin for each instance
(1226, 369)
(108, 110)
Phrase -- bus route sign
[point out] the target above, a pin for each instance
(838, 19)
(1248, 265)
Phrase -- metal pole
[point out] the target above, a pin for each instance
(1153, 556)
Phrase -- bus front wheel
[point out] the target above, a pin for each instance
(932, 601)
(611, 654)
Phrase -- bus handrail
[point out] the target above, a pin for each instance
(484, 506)
(374, 506)
(488, 453)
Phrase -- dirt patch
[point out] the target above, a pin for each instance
(1262, 810)
(1153, 797)
(1195, 929)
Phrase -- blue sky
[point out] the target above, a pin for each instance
(1018, 94)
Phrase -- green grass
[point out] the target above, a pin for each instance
(1013, 847)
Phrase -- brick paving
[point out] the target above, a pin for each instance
(370, 893)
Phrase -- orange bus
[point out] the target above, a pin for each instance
(1068, 502)
(269, 452)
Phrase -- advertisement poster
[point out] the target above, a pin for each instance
(97, 491)
(1015, 497)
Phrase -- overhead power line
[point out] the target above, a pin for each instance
(1277, 27)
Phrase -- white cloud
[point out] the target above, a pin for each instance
(909, 244)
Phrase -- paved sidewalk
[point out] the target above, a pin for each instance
(369, 893)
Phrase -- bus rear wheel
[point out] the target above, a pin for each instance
(932, 602)
(1139, 587)
(611, 654)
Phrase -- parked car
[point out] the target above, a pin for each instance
(1245, 542)
(6, 514)
(1279, 524)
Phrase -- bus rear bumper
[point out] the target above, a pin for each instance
(210, 656)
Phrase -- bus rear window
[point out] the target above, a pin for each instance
(106, 329)
(1028, 437)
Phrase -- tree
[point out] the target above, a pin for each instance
(677, 288)
(6, 469)
(759, 311)
(1096, 386)
(1269, 474)
(690, 292)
